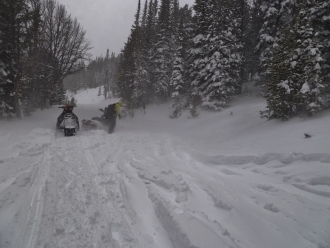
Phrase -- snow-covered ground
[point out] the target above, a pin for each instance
(221, 180)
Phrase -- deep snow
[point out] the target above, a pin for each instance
(224, 179)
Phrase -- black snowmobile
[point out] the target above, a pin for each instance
(109, 116)
(103, 119)
(67, 122)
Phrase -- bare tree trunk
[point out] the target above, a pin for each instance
(17, 99)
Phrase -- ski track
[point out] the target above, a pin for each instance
(130, 190)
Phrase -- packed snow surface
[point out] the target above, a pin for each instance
(223, 179)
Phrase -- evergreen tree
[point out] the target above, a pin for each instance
(180, 76)
(106, 88)
(177, 81)
(140, 75)
(312, 87)
(217, 55)
(5, 109)
(174, 17)
(276, 15)
(278, 88)
(250, 53)
(16, 34)
(163, 52)
(198, 52)
(144, 15)
(294, 84)
(129, 80)
(150, 39)
(126, 75)
(321, 22)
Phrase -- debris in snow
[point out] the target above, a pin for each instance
(307, 135)
(271, 207)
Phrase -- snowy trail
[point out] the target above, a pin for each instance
(142, 190)
(81, 203)
(152, 190)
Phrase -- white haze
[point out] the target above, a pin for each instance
(107, 22)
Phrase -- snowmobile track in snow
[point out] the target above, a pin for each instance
(141, 190)
(81, 202)
(37, 203)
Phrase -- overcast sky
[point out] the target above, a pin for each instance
(107, 22)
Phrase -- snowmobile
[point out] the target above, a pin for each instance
(90, 124)
(68, 122)
(109, 116)
(103, 119)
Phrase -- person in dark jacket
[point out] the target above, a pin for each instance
(112, 112)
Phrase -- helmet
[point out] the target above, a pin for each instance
(68, 108)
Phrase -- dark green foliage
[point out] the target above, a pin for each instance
(126, 72)
(272, 18)
(16, 35)
(321, 23)
(252, 25)
(146, 64)
(216, 56)
(203, 62)
(278, 89)
(295, 84)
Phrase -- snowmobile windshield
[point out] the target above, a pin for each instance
(68, 109)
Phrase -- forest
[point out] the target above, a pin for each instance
(40, 45)
(198, 56)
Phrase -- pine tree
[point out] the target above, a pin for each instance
(294, 84)
(177, 81)
(275, 14)
(163, 52)
(217, 55)
(197, 54)
(250, 53)
(320, 16)
(278, 89)
(141, 77)
(16, 34)
(180, 77)
(126, 75)
(313, 90)
(5, 109)
(106, 88)
(144, 15)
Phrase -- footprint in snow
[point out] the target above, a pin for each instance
(271, 207)
(268, 188)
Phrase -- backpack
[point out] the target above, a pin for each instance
(111, 110)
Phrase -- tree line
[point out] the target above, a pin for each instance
(200, 56)
(40, 44)
(100, 72)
